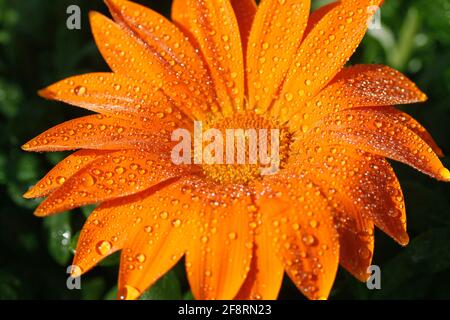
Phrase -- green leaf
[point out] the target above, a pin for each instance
(437, 13)
(87, 210)
(9, 286)
(27, 168)
(74, 242)
(111, 260)
(3, 162)
(92, 289)
(166, 288)
(16, 191)
(188, 296)
(56, 157)
(10, 96)
(427, 254)
(59, 234)
(111, 294)
(431, 208)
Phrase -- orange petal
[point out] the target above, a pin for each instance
(352, 209)
(388, 214)
(327, 48)
(318, 15)
(160, 241)
(357, 86)
(107, 229)
(220, 252)
(302, 227)
(119, 96)
(97, 132)
(356, 240)
(127, 55)
(378, 131)
(316, 110)
(362, 189)
(274, 39)
(414, 126)
(214, 26)
(363, 184)
(179, 15)
(117, 175)
(245, 11)
(167, 42)
(372, 85)
(266, 273)
(62, 172)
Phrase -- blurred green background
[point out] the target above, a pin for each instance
(36, 49)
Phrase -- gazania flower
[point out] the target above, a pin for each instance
(231, 65)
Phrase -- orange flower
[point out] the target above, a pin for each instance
(232, 65)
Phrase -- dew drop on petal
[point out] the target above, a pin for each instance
(88, 180)
(176, 223)
(80, 90)
(309, 240)
(103, 247)
(232, 235)
(140, 257)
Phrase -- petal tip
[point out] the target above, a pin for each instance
(422, 97)
(94, 15)
(445, 174)
(39, 213)
(46, 93)
(128, 293)
(29, 194)
(42, 212)
(404, 240)
(26, 147)
(30, 146)
(362, 276)
(76, 271)
(113, 2)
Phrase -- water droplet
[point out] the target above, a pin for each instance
(378, 124)
(164, 214)
(176, 223)
(60, 180)
(88, 180)
(289, 97)
(140, 257)
(120, 170)
(204, 239)
(80, 90)
(256, 296)
(232, 235)
(314, 223)
(309, 240)
(364, 253)
(103, 247)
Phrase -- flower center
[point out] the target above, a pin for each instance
(244, 147)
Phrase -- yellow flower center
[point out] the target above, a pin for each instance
(243, 148)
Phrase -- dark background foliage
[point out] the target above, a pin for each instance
(36, 49)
